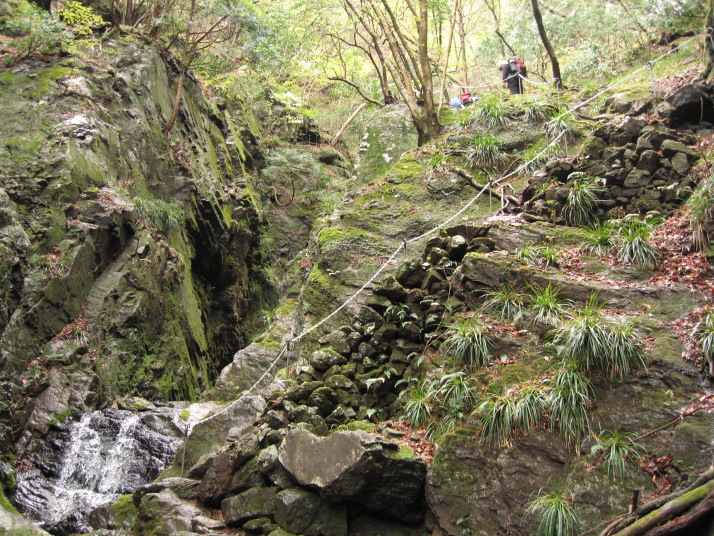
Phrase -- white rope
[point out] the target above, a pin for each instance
(472, 87)
(634, 73)
(432, 231)
(533, 81)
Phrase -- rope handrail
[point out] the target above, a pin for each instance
(433, 230)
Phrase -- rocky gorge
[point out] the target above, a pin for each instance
(134, 267)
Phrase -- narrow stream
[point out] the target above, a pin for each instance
(88, 463)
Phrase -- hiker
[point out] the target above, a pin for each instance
(466, 98)
(456, 102)
(512, 71)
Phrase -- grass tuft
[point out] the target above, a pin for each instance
(468, 342)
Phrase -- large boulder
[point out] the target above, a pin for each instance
(251, 504)
(357, 467)
(302, 512)
(691, 104)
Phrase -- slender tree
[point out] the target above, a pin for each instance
(546, 43)
(402, 39)
(709, 68)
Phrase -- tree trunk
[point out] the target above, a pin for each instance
(709, 68)
(177, 102)
(427, 86)
(546, 43)
(348, 123)
(669, 511)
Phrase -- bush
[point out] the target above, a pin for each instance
(581, 204)
(600, 239)
(468, 342)
(634, 235)
(417, 402)
(700, 207)
(597, 344)
(557, 516)
(615, 449)
(159, 214)
(546, 306)
(82, 20)
(704, 335)
(491, 110)
(569, 400)
(504, 302)
(497, 419)
(485, 152)
(37, 32)
(454, 392)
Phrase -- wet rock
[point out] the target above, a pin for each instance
(259, 525)
(337, 341)
(358, 467)
(301, 512)
(638, 178)
(410, 274)
(254, 503)
(275, 419)
(390, 288)
(267, 459)
(184, 488)
(649, 161)
(304, 390)
(326, 358)
(324, 399)
(680, 163)
(172, 513)
(670, 148)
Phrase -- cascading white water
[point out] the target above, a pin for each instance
(92, 462)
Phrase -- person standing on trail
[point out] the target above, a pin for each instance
(513, 71)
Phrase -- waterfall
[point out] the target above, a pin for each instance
(90, 462)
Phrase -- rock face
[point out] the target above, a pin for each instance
(389, 134)
(91, 461)
(357, 467)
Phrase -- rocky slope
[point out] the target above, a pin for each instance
(125, 249)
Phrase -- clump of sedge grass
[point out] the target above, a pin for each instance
(468, 342)
(556, 513)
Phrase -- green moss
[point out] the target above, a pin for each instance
(6, 505)
(408, 168)
(402, 453)
(365, 426)
(45, 78)
(123, 512)
(62, 417)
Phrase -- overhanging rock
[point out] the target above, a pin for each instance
(358, 467)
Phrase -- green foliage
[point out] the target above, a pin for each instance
(634, 235)
(700, 207)
(491, 110)
(454, 391)
(704, 334)
(468, 342)
(597, 344)
(159, 214)
(497, 416)
(599, 239)
(37, 32)
(530, 407)
(535, 109)
(546, 305)
(82, 20)
(290, 172)
(561, 124)
(485, 152)
(615, 449)
(417, 402)
(556, 512)
(581, 204)
(569, 402)
(504, 302)
(535, 157)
